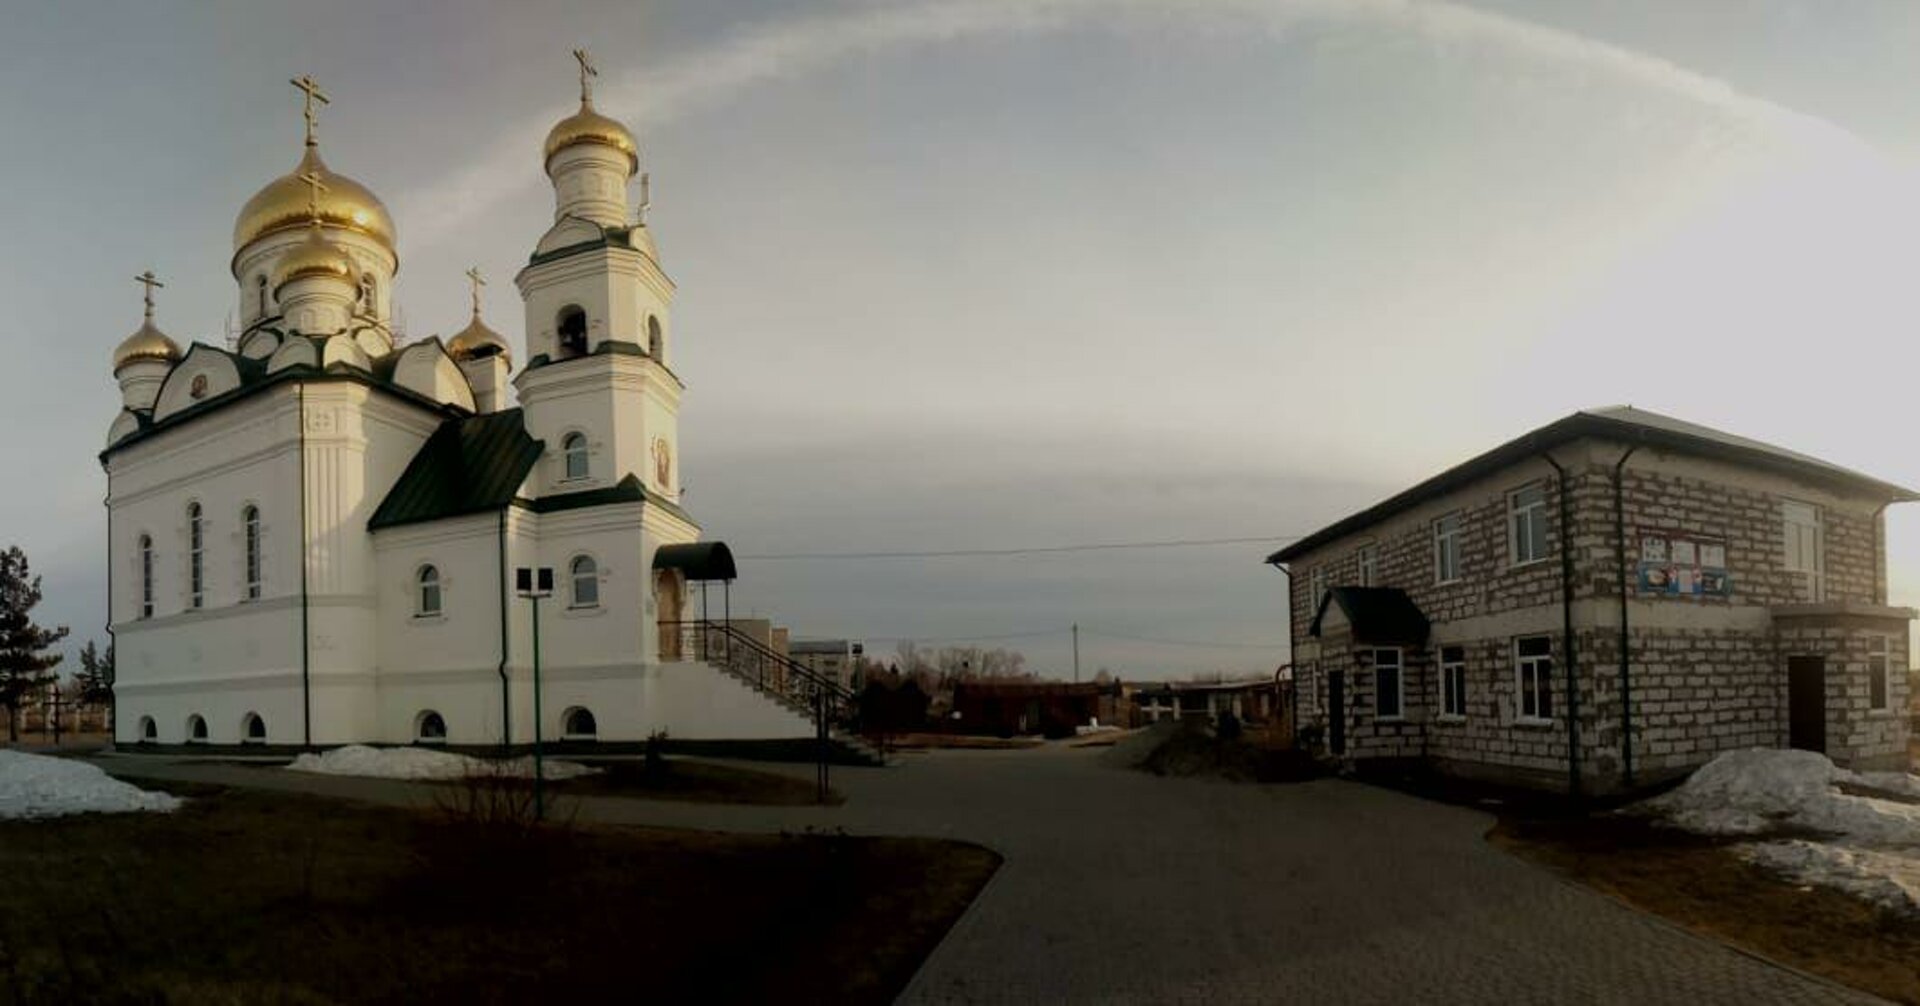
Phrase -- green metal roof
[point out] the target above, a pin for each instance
(469, 465)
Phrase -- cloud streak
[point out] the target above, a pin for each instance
(791, 48)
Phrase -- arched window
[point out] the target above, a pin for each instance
(250, 519)
(586, 582)
(148, 731)
(578, 725)
(572, 326)
(196, 729)
(656, 342)
(429, 728)
(260, 285)
(196, 557)
(428, 603)
(146, 576)
(574, 447)
(253, 729)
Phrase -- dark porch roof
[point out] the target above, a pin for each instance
(700, 560)
(1384, 615)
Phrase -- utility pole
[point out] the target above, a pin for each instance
(1076, 653)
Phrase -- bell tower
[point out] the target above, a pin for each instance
(597, 389)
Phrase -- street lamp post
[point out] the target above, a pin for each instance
(535, 583)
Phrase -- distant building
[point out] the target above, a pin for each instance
(830, 658)
(1700, 592)
(1250, 701)
(1052, 708)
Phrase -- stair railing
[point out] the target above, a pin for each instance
(754, 662)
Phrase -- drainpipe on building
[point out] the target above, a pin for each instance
(113, 697)
(306, 649)
(1566, 626)
(506, 693)
(1620, 560)
(1293, 708)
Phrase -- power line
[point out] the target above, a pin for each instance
(1032, 550)
(1103, 634)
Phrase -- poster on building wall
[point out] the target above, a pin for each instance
(1684, 566)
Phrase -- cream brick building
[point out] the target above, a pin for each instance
(1707, 592)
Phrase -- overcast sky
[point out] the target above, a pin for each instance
(987, 275)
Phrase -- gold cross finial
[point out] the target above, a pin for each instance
(146, 279)
(475, 282)
(312, 89)
(315, 186)
(586, 72)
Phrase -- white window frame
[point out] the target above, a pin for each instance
(1813, 570)
(1316, 588)
(575, 576)
(1453, 682)
(196, 555)
(1533, 512)
(1446, 548)
(1540, 667)
(1883, 655)
(1399, 665)
(250, 524)
(1366, 565)
(568, 453)
(426, 576)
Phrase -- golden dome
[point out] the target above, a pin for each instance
(149, 343)
(316, 256)
(589, 126)
(477, 341)
(282, 206)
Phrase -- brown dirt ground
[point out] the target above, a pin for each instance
(1700, 883)
(251, 897)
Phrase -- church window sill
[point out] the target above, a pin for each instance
(434, 619)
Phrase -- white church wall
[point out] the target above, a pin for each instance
(447, 662)
(693, 701)
(600, 397)
(425, 367)
(204, 373)
(232, 649)
(607, 633)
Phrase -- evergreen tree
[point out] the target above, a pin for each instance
(24, 661)
(94, 684)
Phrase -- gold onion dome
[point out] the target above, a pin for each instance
(316, 256)
(149, 343)
(282, 206)
(477, 341)
(589, 126)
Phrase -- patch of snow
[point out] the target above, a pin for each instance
(37, 786)
(426, 764)
(1870, 847)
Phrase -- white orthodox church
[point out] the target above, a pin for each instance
(313, 530)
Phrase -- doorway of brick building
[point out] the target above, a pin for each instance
(1807, 703)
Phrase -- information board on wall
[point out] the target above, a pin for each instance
(1683, 565)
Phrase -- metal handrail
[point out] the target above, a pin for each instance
(752, 661)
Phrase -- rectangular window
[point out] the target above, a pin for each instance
(1453, 681)
(1387, 681)
(1801, 541)
(1316, 589)
(251, 517)
(1367, 561)
(1446, 549)
(1877, 664)
(146, 577)
(196, 559)
(1527, 524)
(1533, 658)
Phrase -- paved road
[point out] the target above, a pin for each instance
(1123, 887)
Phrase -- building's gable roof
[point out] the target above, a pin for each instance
(1384, 615)
(1624, 424)
(469, 465)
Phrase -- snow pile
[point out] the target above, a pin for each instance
(36, 786)
(426, 764)
(1868, 846)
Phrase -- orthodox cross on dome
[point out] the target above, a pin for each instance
(146, 279)
(314, 187)
(306, 84)
(475, 282)
(587, 72)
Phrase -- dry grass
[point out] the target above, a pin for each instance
(250, 897)
(1702, 884)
